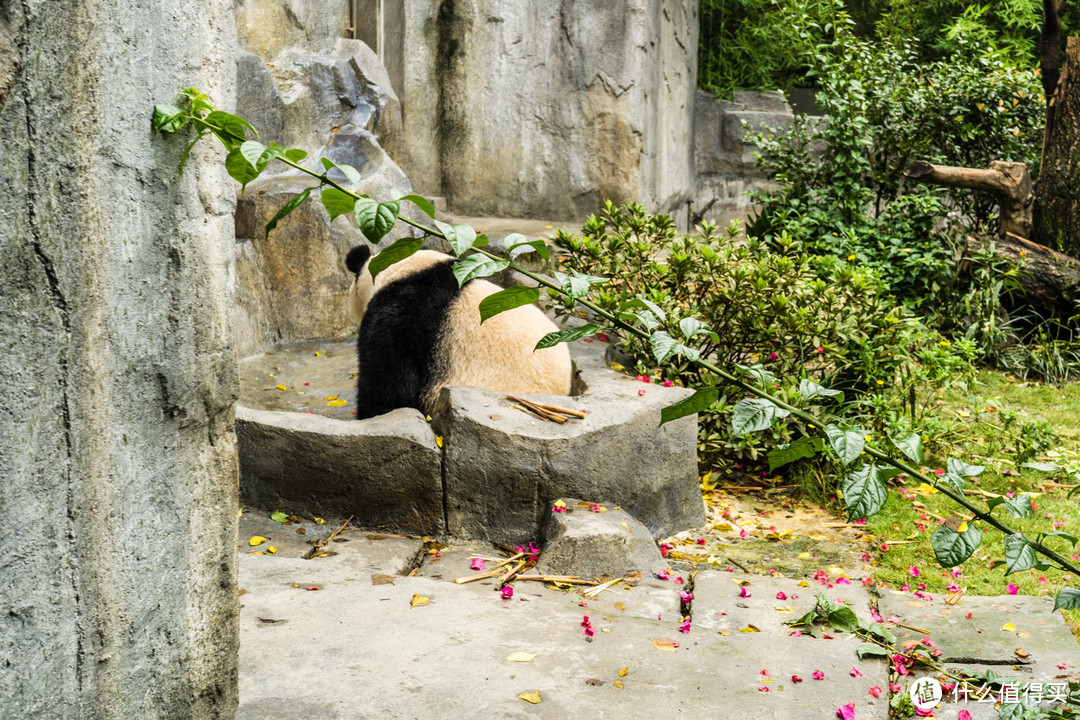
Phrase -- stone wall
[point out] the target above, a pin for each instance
(724, 159)
(546, 109)
(118, 487)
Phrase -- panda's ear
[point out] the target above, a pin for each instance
(356, 258)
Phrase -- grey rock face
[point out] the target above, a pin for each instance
(581, 542)
(117, 374)
(503, 469)
(546, 109)
(384, 471)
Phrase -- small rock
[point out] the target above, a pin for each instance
(580, 542)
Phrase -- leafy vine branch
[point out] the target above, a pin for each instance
(864, 489)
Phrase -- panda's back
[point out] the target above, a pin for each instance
(421, 332)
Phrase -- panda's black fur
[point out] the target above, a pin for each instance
(398, 336)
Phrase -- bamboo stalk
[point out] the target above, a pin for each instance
(474, 578)
(510, 575)
(539, 410)
(912, 627)
(595, 592)
(531, 412)
(573, 580)
(551, 408)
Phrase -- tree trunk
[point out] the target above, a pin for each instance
(1057, 214)
(1009, 182)
(1051, 281)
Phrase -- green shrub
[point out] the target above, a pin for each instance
(772, 310)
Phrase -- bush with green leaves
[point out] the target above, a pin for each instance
(767, 308)
(841, 190)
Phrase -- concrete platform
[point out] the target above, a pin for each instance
(334, 637)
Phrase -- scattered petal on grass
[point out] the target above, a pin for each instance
(418, 600)
(533, 697)
(520, 657)
(817, 675)
(257, 540)
(1012, 589)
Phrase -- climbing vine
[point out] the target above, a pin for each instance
(868, 465)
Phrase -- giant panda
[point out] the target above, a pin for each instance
(420, 332)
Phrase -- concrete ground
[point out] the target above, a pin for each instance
(351, 635)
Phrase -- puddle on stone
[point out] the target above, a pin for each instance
(310, 371)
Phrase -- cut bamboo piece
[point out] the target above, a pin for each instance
(573, 580)
(474, 578)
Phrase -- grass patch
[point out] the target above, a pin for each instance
(1000, 424)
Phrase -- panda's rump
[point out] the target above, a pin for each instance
(499, 354)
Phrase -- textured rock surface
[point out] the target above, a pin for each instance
(117, 375)
(503, 469)
(581, 542)
(724, 160)
(385, 471)
(546, 109)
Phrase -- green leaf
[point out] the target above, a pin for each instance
(421, 202)
(351, 173)
(809, 389)
(1018, 554)
(168, 119)
(461, 237)
(508, 299)
(692, 326)
(375, 219)
(951, 547)
(910, 445)
(516, 240)
(865, 650)
(477, 266)
(848, 444)
(400, 250)
(287, 208)
(758, 372)
(1067, 599)
(663, 345)
(1045, 467)
(843, 619)
(295, 154)
(337, 202)
(187, 151)
(1019, 507)
(1068, 536)
(753, 414)
(578, 285)
(956, 481)
(804, 447)
(278, 516)
(702, 399)
(961, 468)
(864, 492)
(240, 169)
(646, 318)
(228, 128)
(568, 335)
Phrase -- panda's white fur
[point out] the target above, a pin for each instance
(420, 295)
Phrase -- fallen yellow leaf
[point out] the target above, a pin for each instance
(256, 540)
(618, 684)
(620, 606)
(337, 403)
(725, 633)
(923, 487)
(804, 556)
(418, 600)
(271, 549)
(622, 673)
(520, 657)
(803, 583)
(1008, 627)
(750, 628)
(319, 521)
(666, 645)
(438, 440)
(783, 610)
(282, 388)
(533, 697)
(559, 503)
(331, 397)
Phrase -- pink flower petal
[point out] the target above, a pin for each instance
(743, 592)
(796, 679)
(817, 675)
(855, 672)
(507, 592)
(847, 712)
(1012, 589)
(781, 596)
(477, 564)
(875, 691)
(963, 715)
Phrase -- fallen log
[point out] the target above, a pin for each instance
(1050, 280)
(1008, 182)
